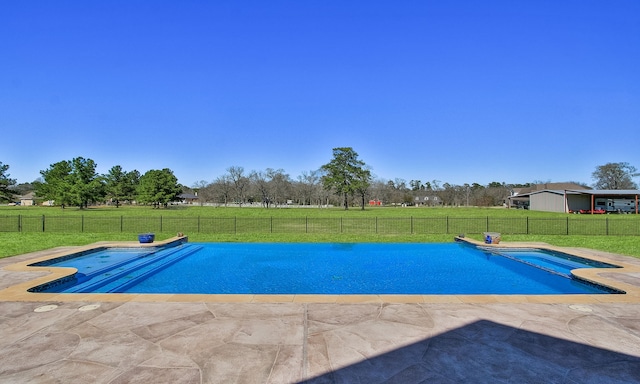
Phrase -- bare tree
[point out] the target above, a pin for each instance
(308, 185)
(396, 192)
(260, 181)
(280, 185)
(223, 188)
(240, 183)
(200, 189)
(448, 194)
(614, 176)
(380, 191)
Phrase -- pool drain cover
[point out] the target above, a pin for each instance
(89, 307)
(46, 308)
(581, 308)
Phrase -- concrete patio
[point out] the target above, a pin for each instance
(204, 339)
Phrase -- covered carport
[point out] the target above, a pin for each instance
(549, 200)
(571, 200)
(591, 195)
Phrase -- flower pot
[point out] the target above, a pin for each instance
(146, 237)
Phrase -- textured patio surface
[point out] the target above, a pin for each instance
(57, 339)
(137, 342)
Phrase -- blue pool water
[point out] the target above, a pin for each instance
(250, 268)
(555, 262)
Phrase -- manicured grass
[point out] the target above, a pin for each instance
(14, 243)
(19, 243)
(195, 211)
(624, 245)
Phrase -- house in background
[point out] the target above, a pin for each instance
(427, 200)
(188, 198)
(27, 199)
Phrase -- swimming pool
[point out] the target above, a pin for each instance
(554, 262)
(326, 268)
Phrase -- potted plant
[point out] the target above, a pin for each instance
(146, 237)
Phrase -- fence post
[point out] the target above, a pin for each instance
(198, 224)
(487, 224)
(567, 225)
(447, 230)
(82, 223)
(376, 224)
(411, 218)
(121, 223)
(19, 223)
(160, 223)
(306, 224)
(341, 225)
(235, 225)
(606, 226)
(42, 223)
(271, 224)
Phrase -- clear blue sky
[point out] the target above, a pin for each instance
(455, 91)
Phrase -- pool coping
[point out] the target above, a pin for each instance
(626, 278)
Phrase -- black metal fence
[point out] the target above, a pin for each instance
(570, 225)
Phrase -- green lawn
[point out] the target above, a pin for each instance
(14, 243)
(194, 211)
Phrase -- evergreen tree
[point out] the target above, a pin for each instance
(56, 184)
(87, 185)
(158, 187)
(72, 182)
(6, 194)
(346, 174)
(120, 185)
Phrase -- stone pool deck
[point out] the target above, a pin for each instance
(55, 338)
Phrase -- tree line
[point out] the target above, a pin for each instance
(76, 183)
(344, 181)
(337, 182)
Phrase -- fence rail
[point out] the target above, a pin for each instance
(570, 225)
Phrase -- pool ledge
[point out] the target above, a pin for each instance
(19, 277)
(626, 278)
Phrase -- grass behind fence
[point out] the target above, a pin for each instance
(26, 229)
(618, 225)
(206, 211)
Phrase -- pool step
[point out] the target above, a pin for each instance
(124, 283)
(562, 269)
(153, 261)
(84, 275)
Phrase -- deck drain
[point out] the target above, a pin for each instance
(89, 307)
(46, 308)
(581, 308)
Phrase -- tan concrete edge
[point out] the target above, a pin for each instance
(19, 292)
